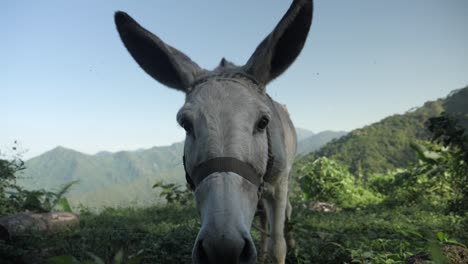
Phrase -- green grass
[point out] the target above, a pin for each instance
(374, 235)
(166, 235)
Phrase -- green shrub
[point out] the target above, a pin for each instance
(449, 131)
(432, 181)
(327, 181)
(9, 167)
(174, 193)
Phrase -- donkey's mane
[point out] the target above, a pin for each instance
(236, 76)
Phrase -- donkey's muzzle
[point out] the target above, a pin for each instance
(227, 204)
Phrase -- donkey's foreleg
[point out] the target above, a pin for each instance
(264, 226)
(288, 233)
(276, 205)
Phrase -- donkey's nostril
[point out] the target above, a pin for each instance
(224, 251)
(248, 253)
(200, 253)
(245, 253)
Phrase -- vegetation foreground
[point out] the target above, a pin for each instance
(165, 235)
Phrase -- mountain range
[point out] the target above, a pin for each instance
(316, 141)
(126, 177)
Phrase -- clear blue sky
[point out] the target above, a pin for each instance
(66, 79)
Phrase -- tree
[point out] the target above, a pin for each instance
(447, 131)
(9, 167)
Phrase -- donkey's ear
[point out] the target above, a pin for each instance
(163, 62)
(281, 47)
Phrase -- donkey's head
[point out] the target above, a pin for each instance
(226, 116)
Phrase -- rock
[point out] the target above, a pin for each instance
(13, 225)
(454, 254)
(323, 207)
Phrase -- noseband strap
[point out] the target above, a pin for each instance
(223, 164)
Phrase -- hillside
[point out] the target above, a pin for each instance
(303, 133)
(385, 145)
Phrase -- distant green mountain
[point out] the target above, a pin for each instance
(316, 141)
(106, 179)
(303, 133)
(385, 145)
(120, 178)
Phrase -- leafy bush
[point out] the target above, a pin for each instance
(174, 193)
(9, 167)
(424, 182)
(433, 181)
(379, 183)
(327, 181)
(42, 200)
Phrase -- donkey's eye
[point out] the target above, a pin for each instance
(187, 126)
(262, 123)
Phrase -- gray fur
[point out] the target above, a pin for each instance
(222, 110)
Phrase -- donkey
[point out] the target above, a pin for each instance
(240, 144)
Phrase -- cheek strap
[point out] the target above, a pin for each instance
(222, 164)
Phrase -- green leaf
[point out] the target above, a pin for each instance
(157, 184)
(425, 155)
(135, 260)
(64, 189)
(437, 254)
(64, 205)
(442, 236)
(454, 242)
(415, 233)
(95, 258)
(33, 202)
(66, 259)
(118, 257)
(431, 155)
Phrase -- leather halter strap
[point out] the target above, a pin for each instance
(225, 164)
(228, 164)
